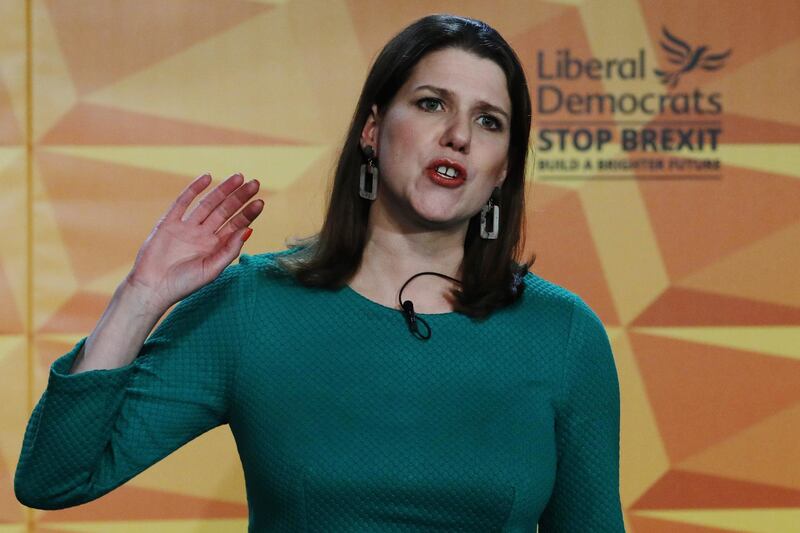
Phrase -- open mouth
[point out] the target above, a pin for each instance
(442, 178)
(446, 172)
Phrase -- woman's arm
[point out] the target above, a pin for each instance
(92, 431)
(116, 403)
(120, 333)
(586, 492)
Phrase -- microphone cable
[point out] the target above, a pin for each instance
(407, 307)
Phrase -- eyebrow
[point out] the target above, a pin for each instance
(482, 104)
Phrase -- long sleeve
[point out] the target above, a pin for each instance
(586, 492)
(90, 432)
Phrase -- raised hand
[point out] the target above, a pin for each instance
(186, 251)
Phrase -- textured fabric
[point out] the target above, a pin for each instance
(346, 422)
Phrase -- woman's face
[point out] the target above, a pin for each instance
(452, 112)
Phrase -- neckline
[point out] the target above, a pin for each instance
(372, 303)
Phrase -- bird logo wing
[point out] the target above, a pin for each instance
(686, 58)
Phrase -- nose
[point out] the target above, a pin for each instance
(458, 134)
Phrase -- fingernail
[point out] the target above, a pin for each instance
(247, 233)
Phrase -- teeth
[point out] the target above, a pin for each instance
(447, 171)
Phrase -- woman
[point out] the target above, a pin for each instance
(489, 404)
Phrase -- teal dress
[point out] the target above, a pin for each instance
(346, 422)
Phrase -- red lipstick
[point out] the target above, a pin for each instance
(443, 179)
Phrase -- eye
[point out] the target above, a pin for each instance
(424, 103)
(493, 123)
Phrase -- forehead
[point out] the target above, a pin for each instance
(469, 76)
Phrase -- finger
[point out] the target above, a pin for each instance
(184, 200)
(231, 205)
(214, 198)
(244, 218)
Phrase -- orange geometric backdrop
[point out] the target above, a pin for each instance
(687, 245)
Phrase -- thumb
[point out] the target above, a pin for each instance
(229, 251)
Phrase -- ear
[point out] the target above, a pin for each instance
(369, 133)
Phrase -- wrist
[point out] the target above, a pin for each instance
(140, 299)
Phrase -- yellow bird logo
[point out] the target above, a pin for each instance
(687, 58)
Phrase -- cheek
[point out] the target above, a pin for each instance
(496, 155)
(499, 156)
(398, 137)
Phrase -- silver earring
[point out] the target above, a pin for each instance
(490, 216)
(369, 189)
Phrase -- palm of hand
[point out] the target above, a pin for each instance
(182, 254)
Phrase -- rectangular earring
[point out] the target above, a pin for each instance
(490, 221)
(368, 190)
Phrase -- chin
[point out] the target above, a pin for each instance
(440, 220)
(434, 214)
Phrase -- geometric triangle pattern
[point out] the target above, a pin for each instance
(108, 109)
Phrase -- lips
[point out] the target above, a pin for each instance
(443, 179)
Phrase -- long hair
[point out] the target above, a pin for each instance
(491, 275)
